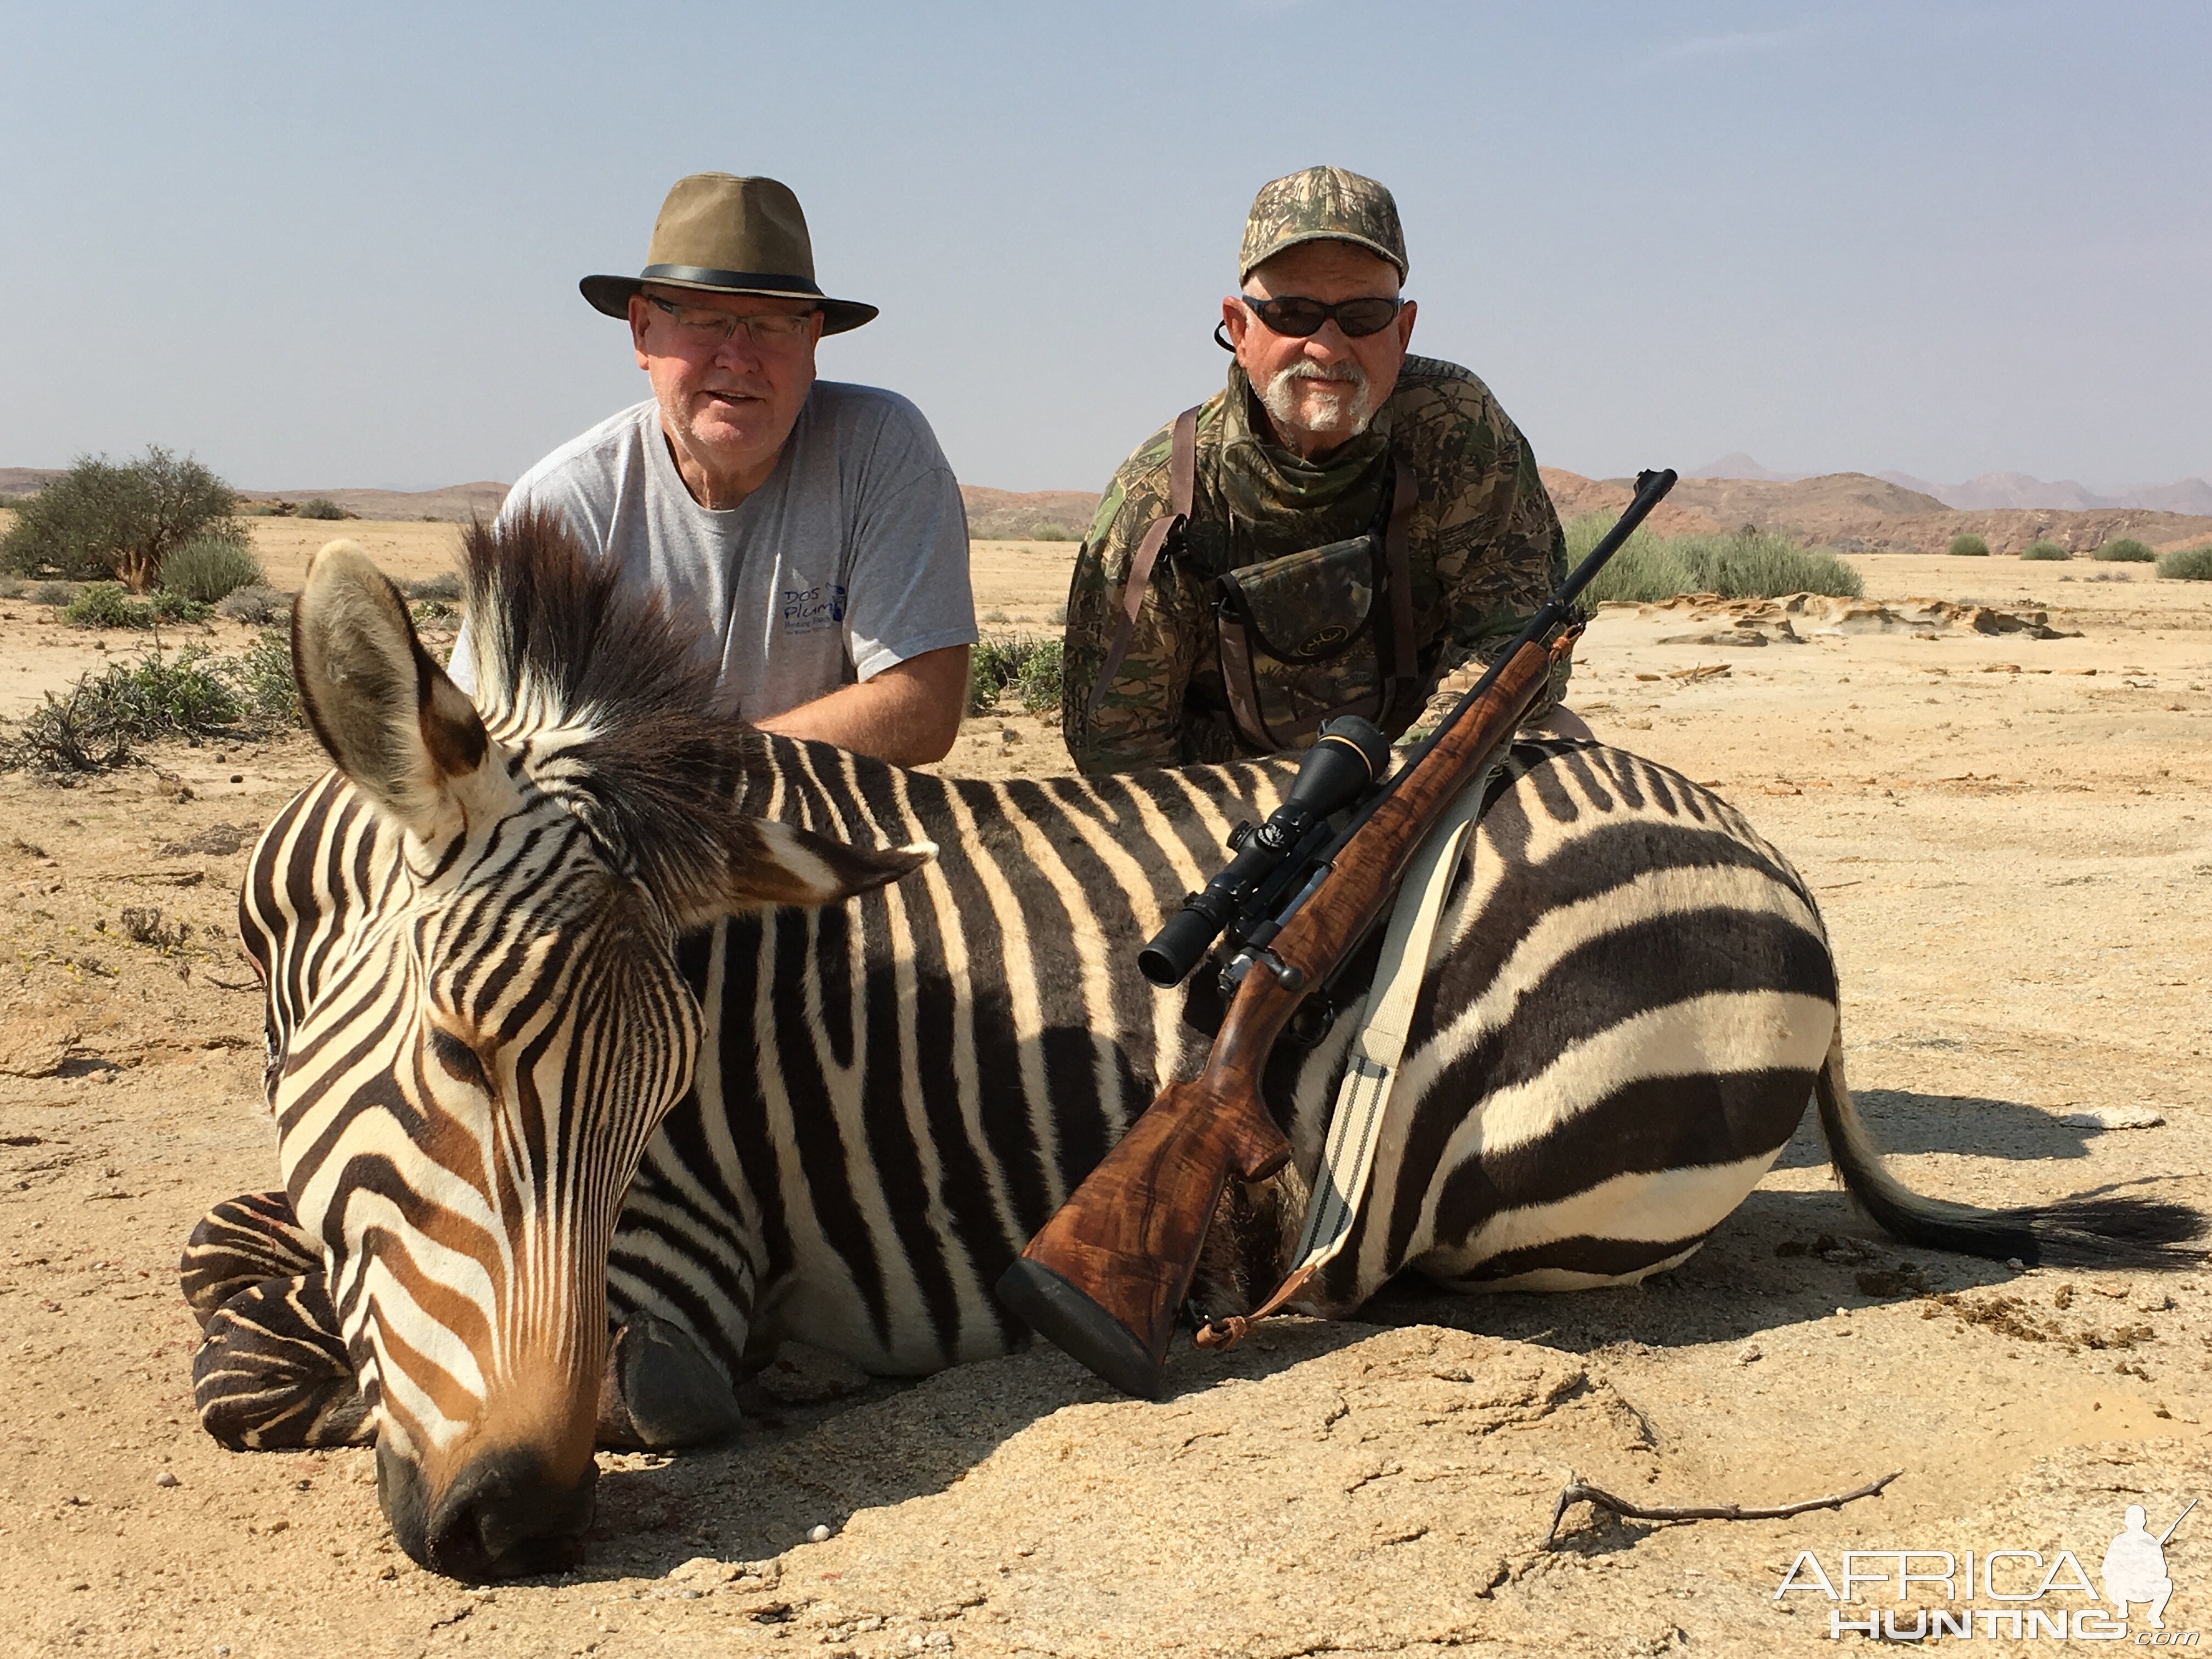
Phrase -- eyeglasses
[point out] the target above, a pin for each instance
(710, 330)
(1299, 318)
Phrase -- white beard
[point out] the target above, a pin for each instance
(1340, 399)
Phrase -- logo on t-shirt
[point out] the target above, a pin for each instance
(810, 609)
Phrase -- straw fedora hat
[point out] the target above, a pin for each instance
(723, 234)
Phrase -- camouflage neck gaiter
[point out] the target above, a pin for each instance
(1261, 480)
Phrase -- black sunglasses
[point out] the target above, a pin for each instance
(1298, 317)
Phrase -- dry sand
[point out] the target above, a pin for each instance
(2012, 855)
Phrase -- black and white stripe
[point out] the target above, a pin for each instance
(845, 1118)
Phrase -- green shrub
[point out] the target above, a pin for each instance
(2045, 550)
(2187, 564)
(1029, 668)
(1748, 565)
(211, 569)
(2126, 551)
(322, 507)
(104, 605)
(262, 674)
(445, 586)
(1968, 546)
(193, 693)
(99, 519)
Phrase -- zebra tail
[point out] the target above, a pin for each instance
(2093, 1230)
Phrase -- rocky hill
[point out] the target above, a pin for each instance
(1855, 512)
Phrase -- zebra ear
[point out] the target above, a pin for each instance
(391, 719)
(772, 863)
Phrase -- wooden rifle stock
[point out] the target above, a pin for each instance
(1106, 1276)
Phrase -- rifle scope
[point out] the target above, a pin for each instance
(1347, 757)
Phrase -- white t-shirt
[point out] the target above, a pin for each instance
(851, 557)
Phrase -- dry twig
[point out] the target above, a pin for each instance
(1578, 1491)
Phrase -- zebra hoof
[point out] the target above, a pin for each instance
(661, 1391)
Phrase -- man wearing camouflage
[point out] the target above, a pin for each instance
(1297, 452)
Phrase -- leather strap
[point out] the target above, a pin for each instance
(1404, 668)
(1182, 479)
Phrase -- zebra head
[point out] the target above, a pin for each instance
(493, 1039)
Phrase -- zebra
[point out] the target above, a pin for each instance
(611, 1042)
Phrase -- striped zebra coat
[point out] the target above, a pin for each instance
(611, 1043)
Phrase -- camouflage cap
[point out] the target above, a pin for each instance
(1322, 205)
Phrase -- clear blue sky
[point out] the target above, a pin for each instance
(322, 245)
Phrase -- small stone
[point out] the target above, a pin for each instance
(2114, 1117)
(1750, 1354)
(237, 777)
(2153, 1300)
(819, 1535)
(165, 1479)
(2015, 1264)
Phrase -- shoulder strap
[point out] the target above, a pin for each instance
(1404, 668)
(1182, 476)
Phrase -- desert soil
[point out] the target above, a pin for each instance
(2008, 836)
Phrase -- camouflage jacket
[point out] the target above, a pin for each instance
(1485, 549)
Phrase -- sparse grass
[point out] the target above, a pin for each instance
(994, 617)
(433, 613)
(191, 693)
(2126, 550)
(2044, 550)
(1968, 546)
(446, 587)
(1029, 668)
(2187, 564)
(53, 593)
(12, 589)
(1057, 616)
(209, 570)
(322, 507)
(1748, 565)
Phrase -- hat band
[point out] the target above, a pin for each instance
(758, 281)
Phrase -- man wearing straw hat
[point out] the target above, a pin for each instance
(814, 526)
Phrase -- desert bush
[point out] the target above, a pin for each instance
(262, 674)
(104, 605)
(446, 585)
(1029, 668)
(211, 568)
(322, 507)
(55, 593)
(2126, 550)
(2187, 564)
(191, 693)
(99, 519)
(1748, 565)
(432, 613)
(257, 604)
(2044, 550)
(1968, 546)
(12, 589)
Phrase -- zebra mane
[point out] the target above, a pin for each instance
(611, 699)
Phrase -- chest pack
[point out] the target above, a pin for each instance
(1302, 638)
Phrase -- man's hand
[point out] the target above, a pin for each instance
(908, 715)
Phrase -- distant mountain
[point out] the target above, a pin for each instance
(2001, 491)
(1737, 465)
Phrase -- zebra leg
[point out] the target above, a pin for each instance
(661, 1391)
(272, 1373)
(238, 1244)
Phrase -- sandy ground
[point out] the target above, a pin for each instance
(2012, 851)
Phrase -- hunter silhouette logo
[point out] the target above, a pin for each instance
(2135, 1566)
(2020, 1593)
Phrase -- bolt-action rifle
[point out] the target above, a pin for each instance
(1106, 1276)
